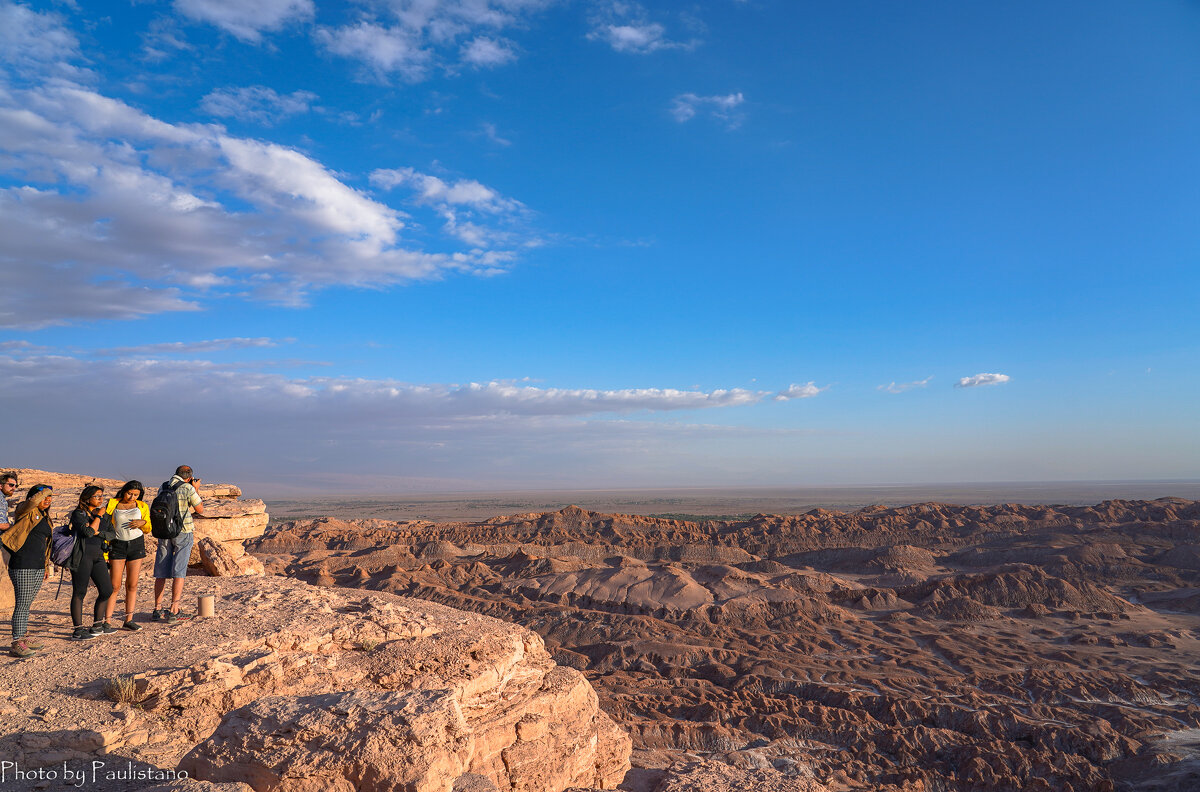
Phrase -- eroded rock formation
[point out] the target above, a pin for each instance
(924, 647)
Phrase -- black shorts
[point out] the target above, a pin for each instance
(129, 551)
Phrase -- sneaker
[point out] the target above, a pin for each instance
(83, 634)
(34, 645)
(21, 649)
(157, 615)
(102, 628)
(171, 618)
(131, 626)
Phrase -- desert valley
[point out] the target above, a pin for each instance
(916, 648)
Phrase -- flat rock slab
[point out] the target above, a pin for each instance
(406, 688)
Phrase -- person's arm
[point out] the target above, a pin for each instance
(144, 517)
(196, 503)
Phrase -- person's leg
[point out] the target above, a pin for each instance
(25, 583)
(132, 574)
(79, 586)
(183, 553)
(164, 561)
(116, 570)
(104, 589)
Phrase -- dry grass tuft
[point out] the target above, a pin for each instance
(121, 689)
(369, 644)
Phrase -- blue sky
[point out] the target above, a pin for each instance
(481, 244)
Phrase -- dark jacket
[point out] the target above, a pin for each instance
(80, 522)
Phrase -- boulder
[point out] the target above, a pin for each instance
(231, 507)
(226, 559)
(233, 528)
(364, 741)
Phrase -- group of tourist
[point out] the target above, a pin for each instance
(109, 543)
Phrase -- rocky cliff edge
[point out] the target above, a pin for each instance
(297, 687)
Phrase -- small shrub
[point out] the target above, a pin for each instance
(121, 689)
(369, 645)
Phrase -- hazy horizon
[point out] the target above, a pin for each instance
(730, 501)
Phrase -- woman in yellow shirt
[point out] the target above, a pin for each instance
(131, 523)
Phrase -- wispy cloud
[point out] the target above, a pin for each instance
(26, 372)
(805, 391)
(384, 50)
(38, 43)
(626, 27)
(460, 203)
(486, 52)
(163, 39)
(982, 379)
(249, 426)
(193, 347)
(410, 39)
(257, 103)
(489, 132)
(901, 387)
(687, 106)
(247, 20)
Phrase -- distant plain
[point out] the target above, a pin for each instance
(714, 502)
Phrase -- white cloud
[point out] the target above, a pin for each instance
(982, 379)
(247, 19)
(385, 50)
(410, 37)
(247, 426)
(686, 106)
(486, 52)
(134, 216)
(37, 43)
(460, 204)
(257, 103)
(904, 386)
(805, 391)
(626, 27)
(27, 372)
(633, 38)
(434, 190)
(192, 347)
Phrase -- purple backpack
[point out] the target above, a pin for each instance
(62, 544)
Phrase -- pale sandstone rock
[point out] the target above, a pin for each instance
(230, 507)
(532, 726)
(192, 785)
(355, 741)
(226, 559)
(473, 782)
(7, 596)
(228, 529)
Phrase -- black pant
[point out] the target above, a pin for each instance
(92, 567)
